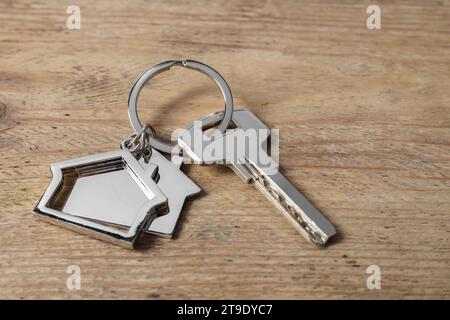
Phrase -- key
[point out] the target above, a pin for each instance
(257, 168)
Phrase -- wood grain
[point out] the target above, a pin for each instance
(364, 119)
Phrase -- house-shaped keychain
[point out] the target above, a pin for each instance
(113, 184)
(176, 185)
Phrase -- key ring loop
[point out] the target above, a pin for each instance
(164, 66)
(139, 143)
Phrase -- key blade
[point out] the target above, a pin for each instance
(305, 217)
(260, 168)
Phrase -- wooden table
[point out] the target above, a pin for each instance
(364, 119)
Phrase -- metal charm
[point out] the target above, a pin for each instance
(171, 180)
(113, 183)
(173, 183)
(177, 187)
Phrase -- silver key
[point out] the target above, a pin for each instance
(258, 168)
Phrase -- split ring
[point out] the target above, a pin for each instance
(164, 66)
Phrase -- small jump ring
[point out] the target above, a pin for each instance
(164, 66)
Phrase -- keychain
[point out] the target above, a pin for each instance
(137, 189)
(114, 183)
(115, 196)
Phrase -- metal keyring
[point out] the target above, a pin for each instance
(164, 66)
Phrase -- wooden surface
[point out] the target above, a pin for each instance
(364, 119)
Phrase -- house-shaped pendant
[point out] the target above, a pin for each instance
(114, 183)
(175, 185)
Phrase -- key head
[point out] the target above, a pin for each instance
(249, 134)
